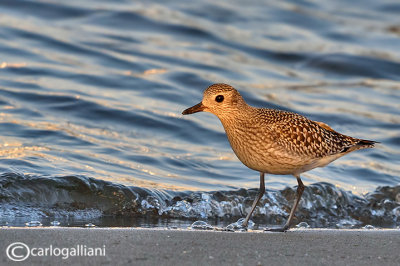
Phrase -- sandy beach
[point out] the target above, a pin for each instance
(123, 246)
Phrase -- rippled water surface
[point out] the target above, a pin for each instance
(91, 95)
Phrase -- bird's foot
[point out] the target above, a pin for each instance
(277, 229)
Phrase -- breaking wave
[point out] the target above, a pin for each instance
(69, 199)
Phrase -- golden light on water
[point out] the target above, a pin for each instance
(153, 71)
(14, 150)
(12, 65)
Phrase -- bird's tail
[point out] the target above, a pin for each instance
(360, 144)
(363, 143)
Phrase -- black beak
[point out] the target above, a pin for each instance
(194, 109)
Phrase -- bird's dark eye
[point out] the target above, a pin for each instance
(219, 98)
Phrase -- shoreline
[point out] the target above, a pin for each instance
(151, 246)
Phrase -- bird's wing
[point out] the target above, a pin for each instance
(305, 137)
(323, 125)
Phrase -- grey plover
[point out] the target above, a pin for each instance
(273, 141)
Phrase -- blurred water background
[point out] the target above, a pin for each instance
(91, 95)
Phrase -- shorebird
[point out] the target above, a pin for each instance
(273, 141)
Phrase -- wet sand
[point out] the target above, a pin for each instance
(134, 246)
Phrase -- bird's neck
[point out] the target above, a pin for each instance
(236, 117)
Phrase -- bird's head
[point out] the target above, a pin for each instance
(218, 99)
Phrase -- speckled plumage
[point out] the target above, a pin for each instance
(274, 141)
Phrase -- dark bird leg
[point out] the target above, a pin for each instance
(261, 192)
(299, 192)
